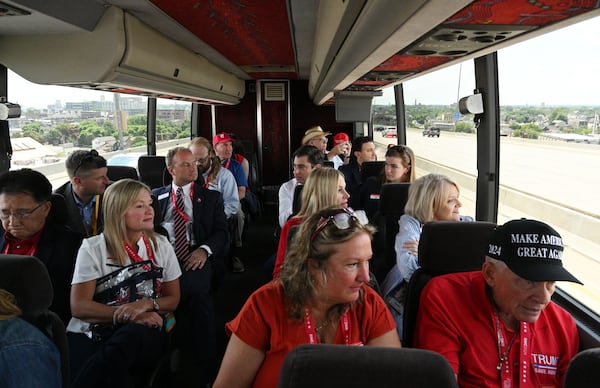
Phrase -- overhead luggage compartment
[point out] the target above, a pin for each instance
(122, 54)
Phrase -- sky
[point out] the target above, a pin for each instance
(558, 68)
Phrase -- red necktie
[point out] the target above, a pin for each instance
(182, 250)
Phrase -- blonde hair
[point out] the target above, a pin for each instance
(8, 305)
(320, 191)
(118, 197)
(297, 281)
(426, 195)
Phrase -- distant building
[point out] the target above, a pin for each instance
(170, 114)
(27, 151)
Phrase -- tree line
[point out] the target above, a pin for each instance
(82, 133)
(523, 120)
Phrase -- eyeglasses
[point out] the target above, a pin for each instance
(202, 160)
(91, 154)
(19, 214)
(341, 219)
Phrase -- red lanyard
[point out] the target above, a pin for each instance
(226, 165)
(134, 256)
(311, 332)
(505, 366)
(177, 209)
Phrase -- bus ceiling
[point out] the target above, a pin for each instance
(203, 51)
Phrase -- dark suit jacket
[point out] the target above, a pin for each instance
(353, 182)
(75, 222)
(210, 223)
(57, 249)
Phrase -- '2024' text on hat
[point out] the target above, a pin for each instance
(531, 249)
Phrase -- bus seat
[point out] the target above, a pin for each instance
(151, 170)
(254, 178)
(58, 213)
(26, 277)
(392, 200)
(121, 172)
(167, 178)
(584, 369)
(297, 201)
(327, 365)
(444, 247)
(368, 169)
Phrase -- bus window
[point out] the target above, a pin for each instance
(549, 156)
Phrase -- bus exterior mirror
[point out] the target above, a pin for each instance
(471, 104)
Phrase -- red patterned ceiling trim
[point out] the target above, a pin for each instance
(245, 31)
(520, 12)
(411, 63)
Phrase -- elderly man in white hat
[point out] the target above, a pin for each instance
(315, 136)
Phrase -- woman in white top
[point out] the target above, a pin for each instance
(114, 342)
(433, 197)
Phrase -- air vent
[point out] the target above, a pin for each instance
(455, 40)
(10, 10)
(274, 91)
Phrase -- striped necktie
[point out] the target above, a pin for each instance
(182, 250)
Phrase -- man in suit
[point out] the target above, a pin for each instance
(202, 244)
(363, 150)
(29, 229)
(83, 193)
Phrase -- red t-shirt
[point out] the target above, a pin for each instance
(457, 320)
(281, 248)
(263, 323)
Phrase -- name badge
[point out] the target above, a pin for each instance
(374, 196)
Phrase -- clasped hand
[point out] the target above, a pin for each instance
(137, 312)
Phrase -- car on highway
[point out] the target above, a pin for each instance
(431, 132)
(129, 159)
(390, 132)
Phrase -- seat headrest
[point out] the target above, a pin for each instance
(115, 173)
(27, 278)
(583, 371)
(447, 246)
(371, 168)
(58, 213)
(356, 366)
(393, 198)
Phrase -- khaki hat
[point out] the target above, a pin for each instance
(312, 133)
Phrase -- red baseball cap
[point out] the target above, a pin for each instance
(222, 138)
(340, 138)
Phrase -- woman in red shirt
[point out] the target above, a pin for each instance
(321, 296)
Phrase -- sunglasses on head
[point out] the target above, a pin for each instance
(341, 219)
(90, 155)
(402, 150)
